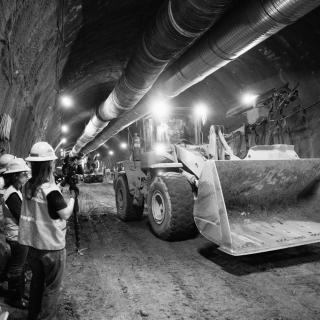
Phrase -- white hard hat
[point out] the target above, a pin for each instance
(16, 165)
(41, 151)
(4, 315)
(4, 160)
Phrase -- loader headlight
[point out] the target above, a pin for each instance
(160, 109)
(201, 112)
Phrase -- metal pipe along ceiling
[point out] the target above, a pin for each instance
(242, 29)
(178, 24)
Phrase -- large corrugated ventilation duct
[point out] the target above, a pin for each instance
(178, 24)
(245, 27)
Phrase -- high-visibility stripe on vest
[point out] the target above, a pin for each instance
(37, 229)
(11, 227)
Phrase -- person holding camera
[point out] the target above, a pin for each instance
(70, 170)
(43, 229)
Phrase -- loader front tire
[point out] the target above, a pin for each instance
(126, 210)
(170, 207)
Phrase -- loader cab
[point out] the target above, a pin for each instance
(166, 131)
(180, 126)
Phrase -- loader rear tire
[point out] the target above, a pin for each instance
(126, 210)
(170, 207)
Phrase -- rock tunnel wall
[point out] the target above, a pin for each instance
(29, 44)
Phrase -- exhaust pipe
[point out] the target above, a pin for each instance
(178, 24)
(238, 32)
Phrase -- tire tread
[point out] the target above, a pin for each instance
(181, 226)
(132, 212)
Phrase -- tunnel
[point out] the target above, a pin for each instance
(206, 109)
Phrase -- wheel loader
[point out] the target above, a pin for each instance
(267, 201)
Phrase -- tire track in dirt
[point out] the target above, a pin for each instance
(127, 273)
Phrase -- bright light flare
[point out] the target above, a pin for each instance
(66, 101)
(123, 145)
(64, 128)
(160, 109)
(201, 112)
(111, 153)
(249, 99)
(163, 128)
(62, 141)
(160, 148)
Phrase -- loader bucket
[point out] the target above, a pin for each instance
(252, 206)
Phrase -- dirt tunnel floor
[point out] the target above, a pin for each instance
(127, 273)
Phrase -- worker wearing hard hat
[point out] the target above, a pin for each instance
(4, 315)
(15, 177)
(4, 160)
(43, 229)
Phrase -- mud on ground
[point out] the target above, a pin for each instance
(127, 273)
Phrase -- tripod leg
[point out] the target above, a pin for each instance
(76, 222)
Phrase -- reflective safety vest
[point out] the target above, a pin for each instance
(11, 227)
(37, 229)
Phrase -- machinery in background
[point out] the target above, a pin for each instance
(276, 117)
(93, 170)
(71, 170)
(68, 170)
(267, 201)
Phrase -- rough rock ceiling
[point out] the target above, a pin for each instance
(92, 39)
(109, 34)
(290, 56)
(82, 46)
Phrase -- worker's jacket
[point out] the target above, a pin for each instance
(11, 227)
(37, 229)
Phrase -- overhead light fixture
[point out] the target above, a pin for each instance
(63, 140)
(111, 153)
(123, 145)
(66, 101)
(64, 128)
(249, 99)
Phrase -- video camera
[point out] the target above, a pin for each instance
(70, 171)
